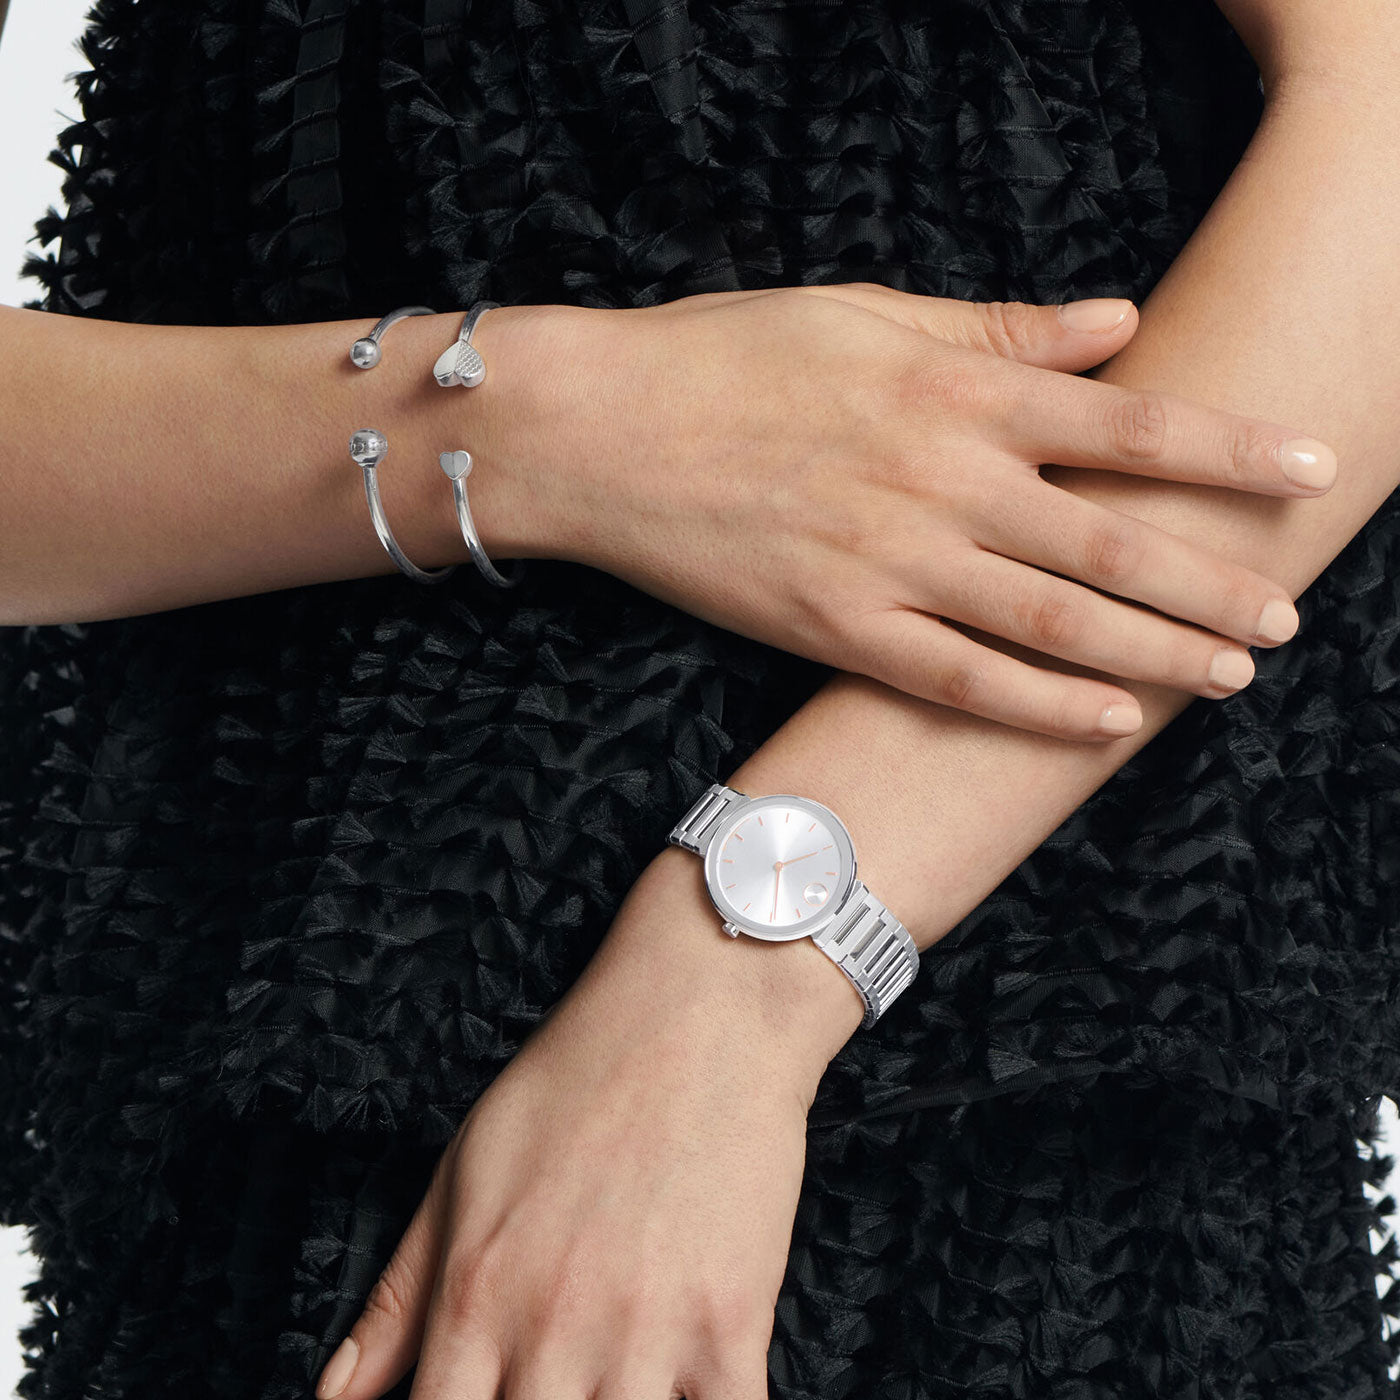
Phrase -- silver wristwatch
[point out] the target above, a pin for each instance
(783, 867)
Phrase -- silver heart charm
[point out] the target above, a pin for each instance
(456, 464)
(471, 368)
(460, 363)
(444, 367)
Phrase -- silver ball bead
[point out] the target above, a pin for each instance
(368, 446)
(364, 353)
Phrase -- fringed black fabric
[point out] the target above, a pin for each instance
(288, 879)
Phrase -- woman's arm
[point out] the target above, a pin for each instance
(1282, 301)
(149, 466)
(615, 1213)
(206, 462)
(852, 444)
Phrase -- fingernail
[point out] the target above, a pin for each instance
(1278, 621)
(1120, 719)
(1308, 462)
(1231, 670)
(338, 1370)
(1094, 313)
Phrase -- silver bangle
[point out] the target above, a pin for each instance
(461, 362)
(368, 447)
(461, 365)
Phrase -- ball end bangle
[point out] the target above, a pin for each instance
(368, 447)
(460, 364)
(366, 351)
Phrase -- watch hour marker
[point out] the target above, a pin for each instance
(746, 907)
(813, 827)
(760, 821)
(730, 887)
(797, 911)
(788, 817)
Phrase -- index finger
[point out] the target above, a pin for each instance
(1050, 416)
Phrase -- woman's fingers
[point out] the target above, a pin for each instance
(1060, 618)
(1056, 530)
(385, 1339)
(1079, 422)
(459, 1360)
(931, 658)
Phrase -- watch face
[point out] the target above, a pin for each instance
(779, 866)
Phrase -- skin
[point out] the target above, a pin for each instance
(876, 451)
(575, 1243)
(889, 472)
(686, 1258)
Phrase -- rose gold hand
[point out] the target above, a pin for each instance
(777, 877)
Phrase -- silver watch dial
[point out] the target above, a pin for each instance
(778, 867)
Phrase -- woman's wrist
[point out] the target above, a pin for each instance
(666, 953)
(518, 498)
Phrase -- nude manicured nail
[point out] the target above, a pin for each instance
(1094, 313)
(1278, 621)
(1308, 462)
(338, 1370)
(1231, 670)
(1120, 719)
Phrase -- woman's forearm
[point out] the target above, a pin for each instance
(1279, 305)
(149, 467)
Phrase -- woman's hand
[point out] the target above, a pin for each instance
(614, 1215)
(849, 472)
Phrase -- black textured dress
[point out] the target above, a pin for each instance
(287, 879)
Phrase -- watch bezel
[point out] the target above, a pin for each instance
(819, 918)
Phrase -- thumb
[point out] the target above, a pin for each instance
(386, 1338)
(1071, 336)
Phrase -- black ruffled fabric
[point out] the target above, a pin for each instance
(288, 879)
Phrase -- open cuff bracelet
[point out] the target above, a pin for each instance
(460, 364)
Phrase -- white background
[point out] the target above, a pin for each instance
(38, 55)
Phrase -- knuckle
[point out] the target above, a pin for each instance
(952, 382)
(388, 1298)
(1010, 325)
(1137, 425)
(467, 1283)
(1053, 622)
(560, 1295)
(730, 1316)
(960, 686)
(1239, 599)
(1251, 448)
(904, 468)
(1064, 715)
(1112, 551)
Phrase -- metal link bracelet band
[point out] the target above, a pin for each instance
(459, 364)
